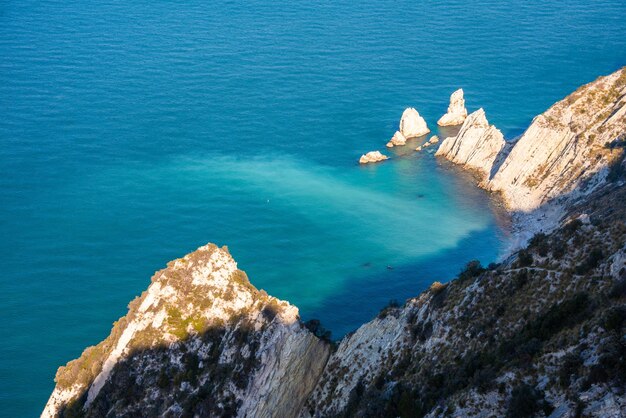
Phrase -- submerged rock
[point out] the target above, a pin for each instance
(397, 139)
(412, 124)
(456, 110)
(372, 157)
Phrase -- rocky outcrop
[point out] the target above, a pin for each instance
(412, 124)
(201, 340)
(456, 110)
(372, 157)
(433, 139)
(477, 146)
(397, 139)
(566, 151)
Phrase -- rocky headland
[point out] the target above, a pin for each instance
(542, 333)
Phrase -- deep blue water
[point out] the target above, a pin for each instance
(133, 132)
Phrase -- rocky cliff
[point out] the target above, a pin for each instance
(565, 153)
(477, 146)
(200, 341)
(542, 333)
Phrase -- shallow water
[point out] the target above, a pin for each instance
(134, 132)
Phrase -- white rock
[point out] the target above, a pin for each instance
(412, 124)
(372, 157)
(456, 110)
(433, 139)
(563, 153)
(397, 139)
(476, 146)
(418, 148)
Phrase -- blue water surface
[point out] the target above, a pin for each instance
(132, 132)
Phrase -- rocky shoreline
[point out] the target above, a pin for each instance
(542, 331)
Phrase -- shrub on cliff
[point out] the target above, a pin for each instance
(471, 270)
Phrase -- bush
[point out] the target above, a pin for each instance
(540, 243)
(526, 401)
(591, 262)
(315, 326)
(471, 270)
(392, 306)
(524, 258)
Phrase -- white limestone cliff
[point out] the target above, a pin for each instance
(397, 139)
(412, 124)
(247, 347)
(566, 150)
(372, 157)
(456, 110)
(476, 146)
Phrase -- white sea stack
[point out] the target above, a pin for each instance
(372, 157)
(433, 139)
(418, 148)
(476, 146)
(397, 139)
(427, 144)
(412, 124)
(456, 110)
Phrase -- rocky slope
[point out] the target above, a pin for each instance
(200, 341)
(564, 154)
(542, 333)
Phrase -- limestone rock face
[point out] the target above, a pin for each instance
(201, 332)
(397, 139)
(456, 110)
(476, 146)
(412, 124)
(566, 148)
(372, 157)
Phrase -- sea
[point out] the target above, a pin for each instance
(133, 132)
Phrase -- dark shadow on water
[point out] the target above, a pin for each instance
(349, 307)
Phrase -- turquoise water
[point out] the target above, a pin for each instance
(133, 132)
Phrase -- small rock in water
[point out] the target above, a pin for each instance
(372, 157)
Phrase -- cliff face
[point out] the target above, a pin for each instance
(541, 334)
(565, 153)
(201, 340)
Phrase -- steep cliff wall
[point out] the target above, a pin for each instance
(201, 340)
(564, 154)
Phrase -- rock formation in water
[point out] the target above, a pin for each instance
(412, 124)
(564, 154)
(200, 340)
(372, 157)
(433, 139)
(541, 333)
(456, 110)
(397, 139)
(477, 145)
